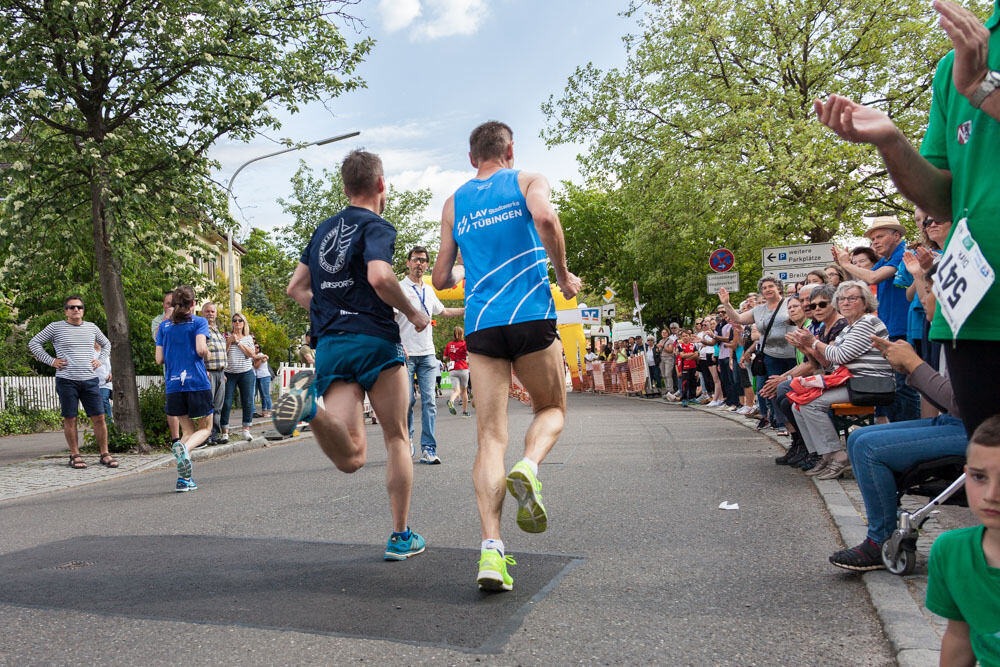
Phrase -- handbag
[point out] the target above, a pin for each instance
(757, 366)
(871, 390)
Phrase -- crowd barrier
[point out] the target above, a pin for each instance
(287, 371)
(608, 377)
(39, 393)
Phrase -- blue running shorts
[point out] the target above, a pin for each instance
(353, 357)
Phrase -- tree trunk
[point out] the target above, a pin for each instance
(126, 391)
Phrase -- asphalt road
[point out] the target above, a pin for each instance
(642, 565)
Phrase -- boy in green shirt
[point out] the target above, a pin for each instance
(964, 572)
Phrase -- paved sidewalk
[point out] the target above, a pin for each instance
(913, 631)
(51, 472)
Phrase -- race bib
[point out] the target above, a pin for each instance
(962, 278)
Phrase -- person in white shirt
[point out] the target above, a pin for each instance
(420, 358)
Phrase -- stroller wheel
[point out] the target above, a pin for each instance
(901, 562)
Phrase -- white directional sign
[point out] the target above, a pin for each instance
(590, 315)
(792, 274)
(730, 280)
(796, 255)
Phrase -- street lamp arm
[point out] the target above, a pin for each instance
(229, 189)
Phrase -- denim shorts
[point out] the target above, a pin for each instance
(354, 357)
(72, 392)
(193, 404)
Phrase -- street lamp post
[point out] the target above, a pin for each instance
(229, 189)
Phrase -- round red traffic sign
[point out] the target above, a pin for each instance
(722, 260)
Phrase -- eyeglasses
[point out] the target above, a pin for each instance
(851, 299)
(236, 319)
(73, 307)
(419, 260)
(931, 221)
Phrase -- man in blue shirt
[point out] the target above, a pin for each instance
(345, 280)
(504, 224)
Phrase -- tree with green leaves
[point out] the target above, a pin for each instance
(316, 197)
(709, 136)
(108, 110)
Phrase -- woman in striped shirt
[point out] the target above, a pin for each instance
(853, 349)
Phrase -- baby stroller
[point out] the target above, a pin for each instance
(942, 480)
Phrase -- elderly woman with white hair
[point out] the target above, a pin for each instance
(852, 349)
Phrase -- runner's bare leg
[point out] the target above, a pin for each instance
(390, 399)
(489, 475)
(340, 427)
(543, 377)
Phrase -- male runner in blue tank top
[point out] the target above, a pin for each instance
(345, 280)
(507, 230)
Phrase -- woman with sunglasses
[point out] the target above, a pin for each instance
(239, 375)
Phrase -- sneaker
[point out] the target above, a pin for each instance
(466, 414)
(399, 549)
(222, 439)
(185, 485)
(809, 462)
(430, 458)
(793, 450)
(296, 405)
(451, 407)
(684, 403)
(762, 423)
(412, 449)
(817, 469)
(183, 460)
(246, 435)
(733, 408)
(743, 410)
(493, 571)
(862, 558)
(527, 490)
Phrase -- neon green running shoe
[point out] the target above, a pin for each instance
(527, 490)
(493, 571)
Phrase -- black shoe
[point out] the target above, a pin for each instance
(800, 455)
(762, 423)
(862, 558)
(793, 451)
(810, 461)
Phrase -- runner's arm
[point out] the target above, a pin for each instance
(445, 273)
(200, 345)
(159, 355)
(537, 194)
(300, 286)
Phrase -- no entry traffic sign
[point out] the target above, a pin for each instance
(721, 260)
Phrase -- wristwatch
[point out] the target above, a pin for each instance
(985, 89)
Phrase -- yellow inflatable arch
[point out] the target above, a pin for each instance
(567, 320)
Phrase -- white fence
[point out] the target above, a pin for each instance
(40, 392)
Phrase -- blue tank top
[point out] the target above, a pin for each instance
(506, 268)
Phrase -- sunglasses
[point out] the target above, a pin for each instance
(236, 319)
(931, 221)
(74, 307)
(818, 304)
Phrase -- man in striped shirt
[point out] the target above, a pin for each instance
(76, 380)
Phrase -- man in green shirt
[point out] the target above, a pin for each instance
(953, 177)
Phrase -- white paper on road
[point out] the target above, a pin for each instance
(726, 505)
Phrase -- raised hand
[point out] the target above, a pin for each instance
(971, 40)
(855, 122)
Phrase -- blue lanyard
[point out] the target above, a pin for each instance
(422, 295)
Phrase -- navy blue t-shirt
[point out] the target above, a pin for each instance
(893, 305)
(185, 369)
(337, 256)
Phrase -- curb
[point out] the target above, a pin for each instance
(913, 639)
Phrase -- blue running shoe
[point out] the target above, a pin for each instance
(183, 460)
(297, 405)
(185, 485)
(400, 549)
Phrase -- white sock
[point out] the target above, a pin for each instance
(493, 544)
(531, 464)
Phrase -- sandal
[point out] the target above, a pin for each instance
(76, 462)
(108, 460)
(782, 431)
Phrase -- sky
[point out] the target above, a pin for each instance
(438, 69)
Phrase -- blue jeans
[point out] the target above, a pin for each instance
(245, 382)
(264, 389)
(775, 366)
(425, 367)
(106, 397)
(878, 451)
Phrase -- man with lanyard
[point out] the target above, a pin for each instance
(345, 280)
(508, 231)
(419, 345)
(953, 177)
(215, 364)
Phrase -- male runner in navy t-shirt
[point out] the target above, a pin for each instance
(507, 230)
(345, 280)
